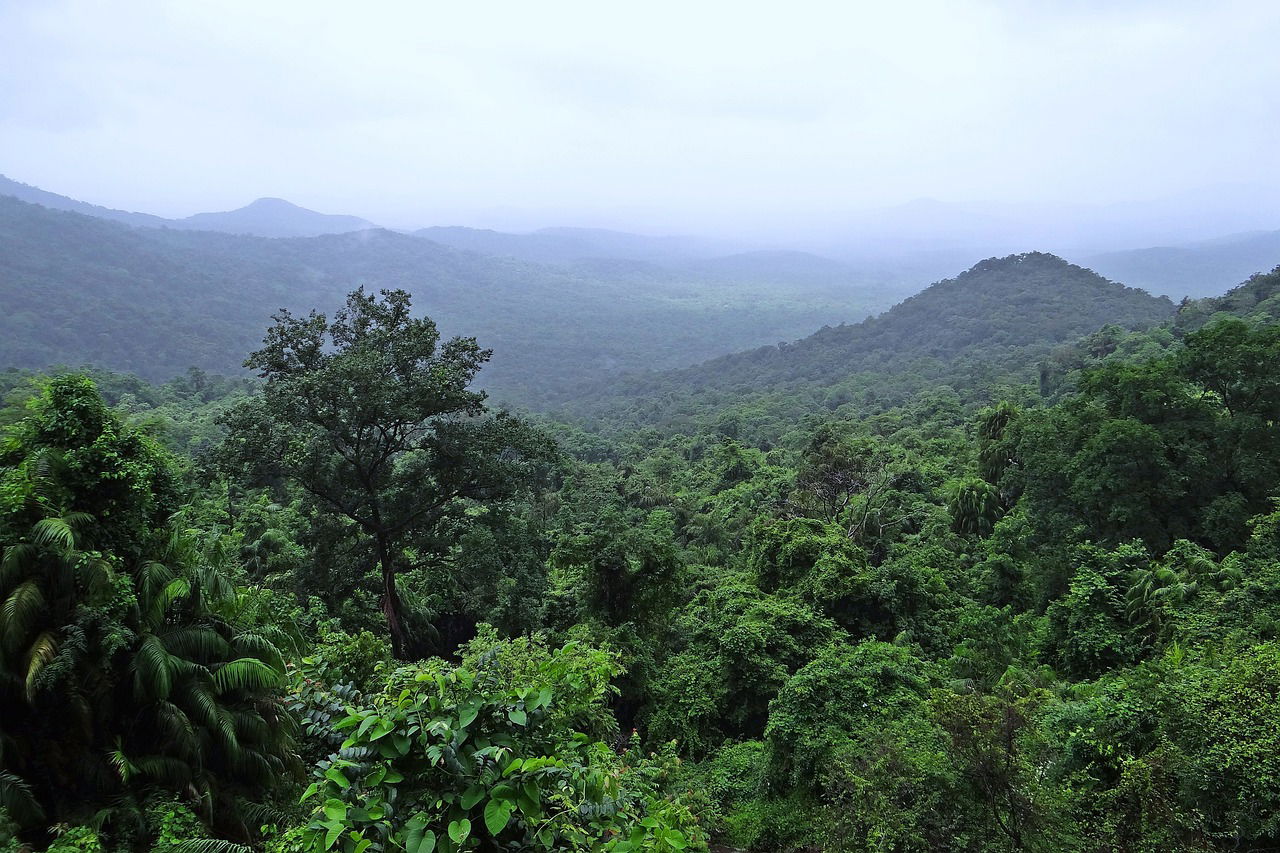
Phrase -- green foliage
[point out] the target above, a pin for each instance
(492, 752)
(1089, 629)
(974, 505)
(170, 824)
(373, 418)
(620, 569)
(341, 658)
(1178, 447)
(120, 639)
(77, 839)
(736, 648)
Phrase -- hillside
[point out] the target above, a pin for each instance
(266, 217)
(35, 195)
(79, 289)
(1206, 268)
(989, 324)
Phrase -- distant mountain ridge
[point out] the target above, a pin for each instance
(562, 245)
(80, 289)
(35, 195)
(1201, 269)
(266, 217)
(1000, 303)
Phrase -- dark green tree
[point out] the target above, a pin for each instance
(374, 419)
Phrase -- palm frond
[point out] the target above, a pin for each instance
(124, 767)
(245, 674)
(17, 799)
(94, 576)
(14, 563)
(153, 669)
(256, 644)
(43, 650)
(196, 642)
(250, 726)
(175, 728)
(154, 575)
(172, 772)
(209, 845)
(175, 590)
(56, 533)
(201, 705)
(19, 614)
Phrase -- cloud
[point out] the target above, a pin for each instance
(705, 116)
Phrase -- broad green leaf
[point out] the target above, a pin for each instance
(459, 830)
(496, 815)
(471, 796)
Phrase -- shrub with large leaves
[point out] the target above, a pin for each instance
(500, 753)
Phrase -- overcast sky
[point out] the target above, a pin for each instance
(693, 116)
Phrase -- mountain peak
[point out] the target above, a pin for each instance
(276, 217)
(273, 202)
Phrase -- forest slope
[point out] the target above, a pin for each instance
(989, 324)
(79, 289)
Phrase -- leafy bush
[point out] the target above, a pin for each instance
(492, 751)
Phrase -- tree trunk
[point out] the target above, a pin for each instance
(391, 606)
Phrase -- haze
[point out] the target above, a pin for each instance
(799, 122)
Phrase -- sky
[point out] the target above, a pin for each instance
(695, 116)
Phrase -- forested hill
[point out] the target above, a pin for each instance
(84, 290)
(1257, 299)
(990, 324)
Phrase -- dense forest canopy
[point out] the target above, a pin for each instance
(996, 570)
(666, 428)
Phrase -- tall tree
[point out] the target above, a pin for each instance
(373, 417)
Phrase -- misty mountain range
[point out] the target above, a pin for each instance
(82, 289)
(909, 245)
(562, 308)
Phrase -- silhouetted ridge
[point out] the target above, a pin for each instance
(266, 217)
(275, 217)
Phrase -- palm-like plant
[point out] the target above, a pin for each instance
(974, 505)
(126, 665)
